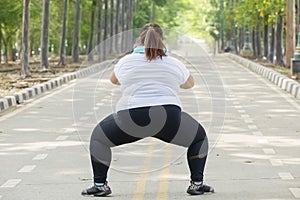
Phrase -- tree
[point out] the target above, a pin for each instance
(45, 35)
(99, 30)
(76, 35)
(117, 22)
(105, 27)
(111, 26)
(290, 32)
(10, 21)
(123, 26)
(62, 54)
(129, 25)
(25, 38)
(279, 56)
(91, 37)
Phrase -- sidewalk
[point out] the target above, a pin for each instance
(252, 127)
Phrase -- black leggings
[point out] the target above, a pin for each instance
(166, 123)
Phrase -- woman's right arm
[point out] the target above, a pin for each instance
(114, 79)
(189, 83)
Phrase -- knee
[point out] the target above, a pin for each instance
(99, 136)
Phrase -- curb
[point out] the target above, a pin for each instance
(36, 90)
(285, 83)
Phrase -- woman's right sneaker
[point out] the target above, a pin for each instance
(97, 191)
(198, 189)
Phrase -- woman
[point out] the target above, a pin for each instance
(149, 106)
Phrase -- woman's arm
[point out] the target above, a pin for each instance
(114, 79)
(188, 84)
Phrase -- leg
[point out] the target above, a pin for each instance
(105, 135)
(192, 135)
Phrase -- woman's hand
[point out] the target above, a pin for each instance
(114, 79)
(188, 84)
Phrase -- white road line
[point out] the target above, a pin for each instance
(285, 176)
(269, 151)
(245, 116)
(252, 127)
(262, 141)
(83, 118)
(295, 192)
(257, 133)
(236, 102)
(238, 107)
(62, 137)
(0, 196)
(276, 162)
(11, 183)
(27, 168)
(40, 156)
(96, 108)
(241, 111)
(248, 121)
(52, 147)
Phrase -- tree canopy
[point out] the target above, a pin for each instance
(228, 21)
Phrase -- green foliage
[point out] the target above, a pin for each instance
(201, 18)
(142, 15)
(226, 14)
(10, 21)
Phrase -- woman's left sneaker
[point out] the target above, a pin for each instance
(97, 191)
(198, 189)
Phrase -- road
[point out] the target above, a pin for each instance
(253, 129)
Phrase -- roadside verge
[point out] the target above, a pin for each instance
(285, 83)
(13, 100)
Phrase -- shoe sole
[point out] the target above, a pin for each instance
(195, 192)
(102, 194)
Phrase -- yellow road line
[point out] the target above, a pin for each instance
(162, 192)
(141, 184)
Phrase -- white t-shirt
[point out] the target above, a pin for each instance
(145, 83)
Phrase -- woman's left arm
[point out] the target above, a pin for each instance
(114, 79)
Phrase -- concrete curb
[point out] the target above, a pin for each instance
(36, 90)
(285, 83)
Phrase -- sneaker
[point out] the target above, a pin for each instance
(195, 189)
(97, 191)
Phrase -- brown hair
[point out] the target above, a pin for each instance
(151, 37)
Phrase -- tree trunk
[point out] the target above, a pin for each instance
(99, 31)
(290, 32)
(153, 12)
(45, 35)
(5, 50)
(129, 25)
(111, 50)
(10, 47)
(25, 39)
(76, 36)
(241, 39)
(136, 6)
(279, 56)
(91, 37)
(258, 41)
(62, 53)
(105, 27)
(272, 44)
(266, 40)
(254, 43)
(123, 27)
(0, 46)
(117, 48)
